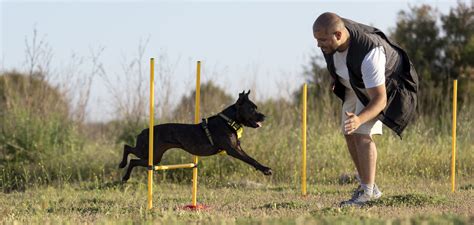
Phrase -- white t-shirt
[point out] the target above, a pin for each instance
(373, 67)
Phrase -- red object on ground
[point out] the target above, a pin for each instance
(196, 207)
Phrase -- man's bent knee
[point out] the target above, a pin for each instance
(362, 137)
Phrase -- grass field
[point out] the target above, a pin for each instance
(237, 202)
(54, 170)
(81, 185)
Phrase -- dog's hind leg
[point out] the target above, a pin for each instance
(133, 163)
(141, 148)
(160, 150)
(126, 151)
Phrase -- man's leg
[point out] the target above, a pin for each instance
(367, 156)
(351, 145)
(349, 105)
(363, 152)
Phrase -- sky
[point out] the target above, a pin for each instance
(257, 45)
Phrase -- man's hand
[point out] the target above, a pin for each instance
(351, 123)
(378, 101)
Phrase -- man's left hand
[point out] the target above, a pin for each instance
(351, 123)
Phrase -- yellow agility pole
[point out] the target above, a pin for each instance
(196, 120)
(194, 205)
(152, 167)
(303, 139)
(177, 166)
(453, 143)
(150, 140)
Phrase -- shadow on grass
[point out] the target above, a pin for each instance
(467, 187)
(415, 200)
(282, 205)
(118, 185)
(407, 200)
(88, 210)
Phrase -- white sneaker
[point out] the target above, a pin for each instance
(377, 192)
(360, 200)
(356, 193)
(359, 197)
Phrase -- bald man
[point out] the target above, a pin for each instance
(376, 82)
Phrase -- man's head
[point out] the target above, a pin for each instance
(330, 33)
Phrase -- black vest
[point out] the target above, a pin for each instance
(401, 80)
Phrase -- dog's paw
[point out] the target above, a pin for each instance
(125, 179)
(267, 171)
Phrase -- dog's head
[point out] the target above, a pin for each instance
(247, 113)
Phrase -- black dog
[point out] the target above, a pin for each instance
(218, 133)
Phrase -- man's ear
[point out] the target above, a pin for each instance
(338, 35)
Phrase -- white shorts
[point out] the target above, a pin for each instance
(352, 104)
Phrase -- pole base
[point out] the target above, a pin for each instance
(196, 207)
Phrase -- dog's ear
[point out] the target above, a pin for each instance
(248, 92)
(242, 97)
(242, 94)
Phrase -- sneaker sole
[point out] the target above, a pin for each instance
(378, 195)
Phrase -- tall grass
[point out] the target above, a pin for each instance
(424, 151)
(53, 149)
(42, 142)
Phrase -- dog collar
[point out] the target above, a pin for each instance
(236, 126)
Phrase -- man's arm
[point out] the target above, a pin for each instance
(373, 74)
(378, 101)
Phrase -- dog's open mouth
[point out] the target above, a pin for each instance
(259, 124)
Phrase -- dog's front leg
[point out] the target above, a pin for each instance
(238, 152)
